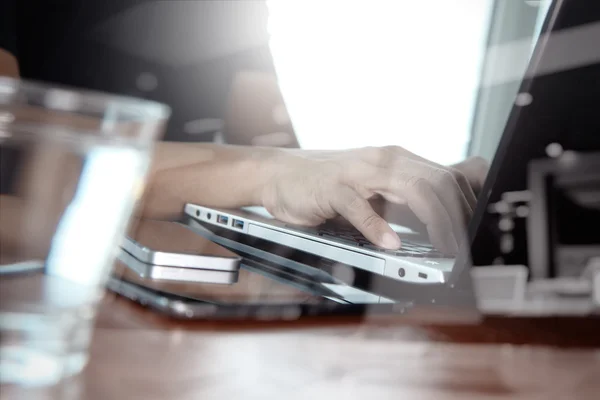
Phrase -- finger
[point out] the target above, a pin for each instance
(470, 201)
(465, 187)
(427, 206)
(391, 156)
(401, 214)
(440, 209)
(357, 210)
(453, 199)
(418, 193)
(447, 189)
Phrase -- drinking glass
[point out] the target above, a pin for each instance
(73, 165)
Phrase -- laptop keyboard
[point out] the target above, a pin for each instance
(353, 237)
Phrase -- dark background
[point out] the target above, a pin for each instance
(189, 51)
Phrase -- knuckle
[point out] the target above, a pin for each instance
(380, 156)
(370, 152)
(369, 221)
(417, 182)
(391, 148)
(355, 204)
(459, 176)
(442, 177)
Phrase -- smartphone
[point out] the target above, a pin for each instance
(168, 303)
(171, 244)
(181, 274)
(182, 307)
(251, 287)
(250, 297)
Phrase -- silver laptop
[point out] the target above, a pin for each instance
(416, 262)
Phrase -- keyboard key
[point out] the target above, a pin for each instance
(348, 237)
(338, 239)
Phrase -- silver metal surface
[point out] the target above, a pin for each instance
(155, 300)
(158, 272)
(416, 269)
(180, 260)
(22, 267)
(274, 258)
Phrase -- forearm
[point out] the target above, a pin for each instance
(207, 174)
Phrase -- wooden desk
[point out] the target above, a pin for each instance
(137, 354)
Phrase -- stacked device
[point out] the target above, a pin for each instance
(162, 250)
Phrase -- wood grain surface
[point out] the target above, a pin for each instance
(137, 354)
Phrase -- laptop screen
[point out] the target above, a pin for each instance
(551, 114)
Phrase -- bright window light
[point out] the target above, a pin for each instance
(380, 72)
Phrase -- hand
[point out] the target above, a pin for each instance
(475, 169)
(307, 188)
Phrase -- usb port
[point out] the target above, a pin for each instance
(422, 275)
(238, 224)
(221, 219)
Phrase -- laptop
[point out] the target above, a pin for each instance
(558, 78)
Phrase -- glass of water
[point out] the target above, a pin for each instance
(72, 170)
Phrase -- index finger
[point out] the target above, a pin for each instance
(358, 211)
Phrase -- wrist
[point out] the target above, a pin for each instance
(262, 167)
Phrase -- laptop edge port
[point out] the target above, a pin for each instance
(238, 224)
(221, 219)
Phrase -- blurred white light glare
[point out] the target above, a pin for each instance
(568, 157)
(506, 243)
(554, 150)
(506, 224)
(7, 88)
(523, 99)
(64, 100)
(380, 72)
(522, 211)
(6, 117)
